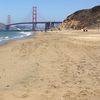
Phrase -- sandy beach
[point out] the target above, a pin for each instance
(52, 66)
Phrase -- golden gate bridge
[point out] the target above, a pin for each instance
(34, 22)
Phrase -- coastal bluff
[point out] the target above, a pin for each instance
(83, 18)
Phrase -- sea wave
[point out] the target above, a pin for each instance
(6, 36)
(26, 33)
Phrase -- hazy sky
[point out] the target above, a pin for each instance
(20, 10)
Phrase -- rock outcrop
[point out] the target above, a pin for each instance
(83, 18)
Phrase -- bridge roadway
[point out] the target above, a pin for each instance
(48, 25)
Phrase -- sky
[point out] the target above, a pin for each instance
(55, 10)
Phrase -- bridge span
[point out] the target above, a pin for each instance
(48, 25)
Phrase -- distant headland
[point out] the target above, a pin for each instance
(83, 18)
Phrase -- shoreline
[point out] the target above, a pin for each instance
(17, 39)
(94, 31)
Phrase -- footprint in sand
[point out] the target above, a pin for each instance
(69, 95)
(20, 94)
(85, 95)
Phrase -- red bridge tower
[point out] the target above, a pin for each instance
(8, 22)
(9, 19)
(34, 17)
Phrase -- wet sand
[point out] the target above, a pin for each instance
(52, 66)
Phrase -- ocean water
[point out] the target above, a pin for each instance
(6, 36)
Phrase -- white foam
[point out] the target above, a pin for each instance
(22, 32)
(16, 36)
(6, 37)
(26, 33)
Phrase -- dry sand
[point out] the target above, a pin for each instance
(52, 66)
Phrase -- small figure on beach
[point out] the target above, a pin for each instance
(85, 29)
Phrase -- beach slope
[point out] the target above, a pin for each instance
(51, 66)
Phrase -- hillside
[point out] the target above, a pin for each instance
(83, 18)
(2, 26)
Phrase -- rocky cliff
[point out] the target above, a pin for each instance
(83, 18)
